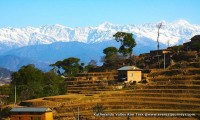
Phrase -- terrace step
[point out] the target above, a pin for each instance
(88, 85)
(169, 87)
(172, 91)
(175, 95)
(131, 105)
(89, 88)
(163, 99)
(179, 77)
(85, 82)
(86, 91)
(176, 82)
(182, 71)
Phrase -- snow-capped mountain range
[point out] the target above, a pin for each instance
(48, 44)
(173, 32)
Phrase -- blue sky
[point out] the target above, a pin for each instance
(80, 13)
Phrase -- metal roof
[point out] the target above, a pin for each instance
(30, 109)
(129, 68)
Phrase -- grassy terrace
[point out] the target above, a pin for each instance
(163, 93)
(179, 77)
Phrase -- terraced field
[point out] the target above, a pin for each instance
(169, 94)
(92, 82)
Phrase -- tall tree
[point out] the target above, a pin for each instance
(158, 44)
(127, 42)
(29, 82)
(110, 51)
(111, 59)
(52, 84)
(159, 27)
(71, 66)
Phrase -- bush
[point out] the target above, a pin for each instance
(5, 112)
(179, 65)
(143, 81)
(185, 56)
(98, 108)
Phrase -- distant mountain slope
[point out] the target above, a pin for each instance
(50, 53)
(13, 62)
(5, 76)
(43, 55)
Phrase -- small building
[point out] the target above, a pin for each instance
(129, 74)
(30, 113)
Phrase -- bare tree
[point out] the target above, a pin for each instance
(158, 44)
(158, 26)
(168, 43)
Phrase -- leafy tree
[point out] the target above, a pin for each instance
(51, 84)
(54, 84)
(111, 59)
(114, 62)
(5, 89)
(33, 83)
(57, 67)
(127, 42)
(5, 112)
(28, 81)
(63, 87)
(70, 65)
(110, 51)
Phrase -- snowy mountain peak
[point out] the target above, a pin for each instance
(105, 25)
(182, 22)
(59, 25)
(177, 32)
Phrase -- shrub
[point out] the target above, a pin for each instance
(98, 108)
(5, 112)
(185, 56)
